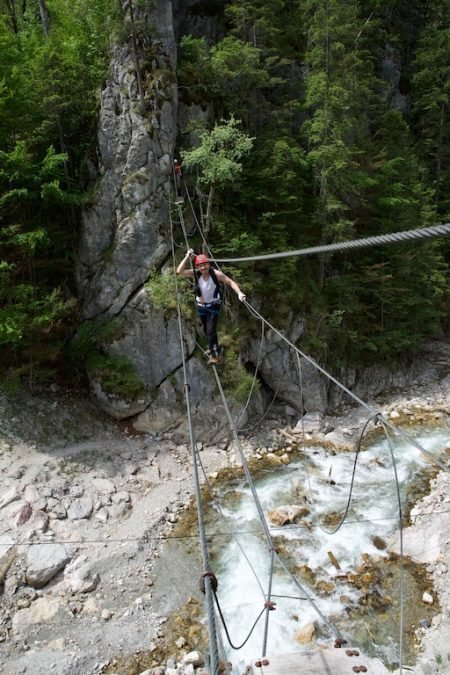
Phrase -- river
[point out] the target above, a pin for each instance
(365, 615)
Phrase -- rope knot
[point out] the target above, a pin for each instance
(270, 605)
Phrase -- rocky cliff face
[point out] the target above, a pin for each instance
(125, 231)
(126, 227)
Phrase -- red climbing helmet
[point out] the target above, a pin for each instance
(200, 259)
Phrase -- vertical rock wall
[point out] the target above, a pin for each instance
(126, 231)
(126, 225)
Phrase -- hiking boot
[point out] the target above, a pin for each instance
(213, 356)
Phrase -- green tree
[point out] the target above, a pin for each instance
(54, 56)
(236, 69)
(338, 101)
(217, 160)
(430, 94)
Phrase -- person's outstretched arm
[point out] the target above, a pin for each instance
(232, 284)
(182, 270)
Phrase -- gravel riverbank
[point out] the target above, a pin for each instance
(85, 505)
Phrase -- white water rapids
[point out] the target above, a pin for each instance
(373, 513)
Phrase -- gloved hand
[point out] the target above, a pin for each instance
(241, 296)
(190, 253)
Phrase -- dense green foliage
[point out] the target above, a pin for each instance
(327, 121)
(348, 105)
(54, 57)
(88, 354)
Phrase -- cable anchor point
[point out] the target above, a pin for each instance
(214, 582)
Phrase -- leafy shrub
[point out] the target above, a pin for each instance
(116, 374)
(165, 288)
(236, 380)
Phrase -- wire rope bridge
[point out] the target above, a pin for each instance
(341, 658)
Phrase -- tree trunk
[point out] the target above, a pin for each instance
(209, 206)
(12, 12)
(439, 153)
(44, 17)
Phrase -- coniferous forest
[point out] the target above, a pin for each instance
(347, 108)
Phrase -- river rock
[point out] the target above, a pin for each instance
(23, 515)
(36, 523)
(8, 553)
(80, 508)
(309, 423)
(31, 494)
(119, 510)
(59, 510)
(40, 611)
(305, 634)
(103, 485)
(102, 515)
(286, 514)
(427, 598)
(80, 577)
(76, 491)
(120, 497)
(43, 562)
(9, 496)
(194, 658)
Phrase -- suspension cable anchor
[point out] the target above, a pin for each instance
(214, 582)
(262, 662)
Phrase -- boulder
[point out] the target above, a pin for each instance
(306, 634)
(283, 515)
(43, 562)
(40, 611)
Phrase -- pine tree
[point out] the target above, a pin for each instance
(52, 62)
(338, 93)
(430, 94)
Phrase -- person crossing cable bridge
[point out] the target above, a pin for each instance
(207, 295)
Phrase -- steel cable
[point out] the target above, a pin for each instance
(255, 374)
(339, 384)
(213, 641)
(440, 230)
(225, 627)
(350, 492)
(262, 518)
(400, 525)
